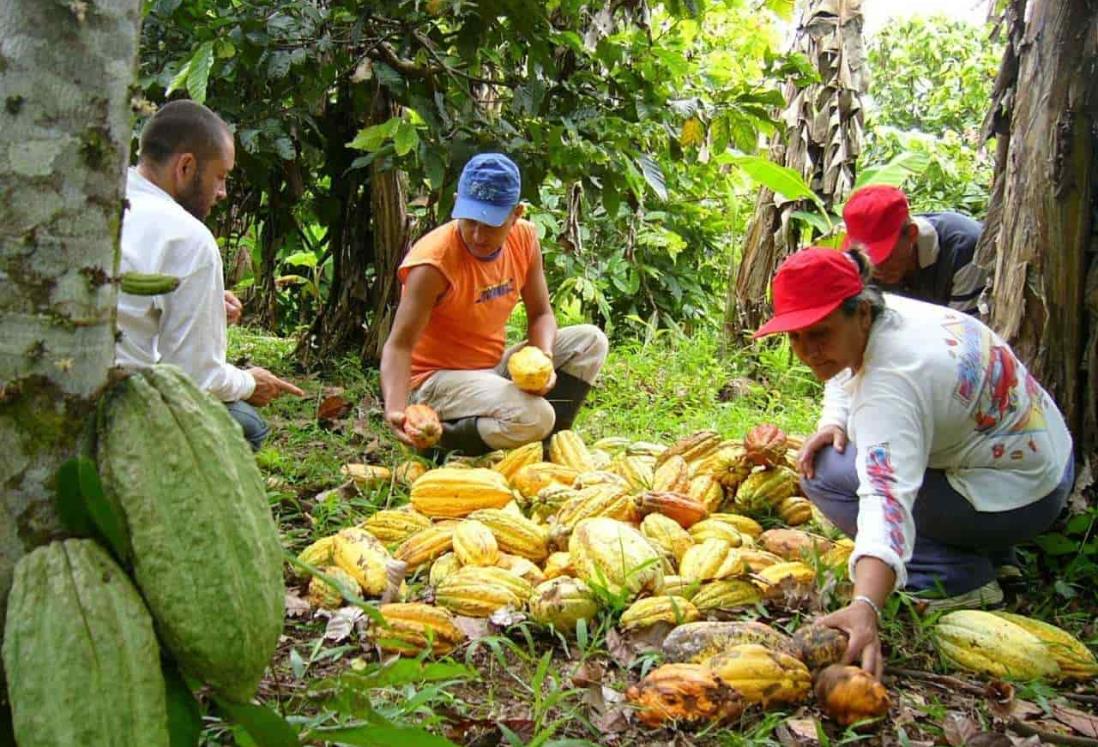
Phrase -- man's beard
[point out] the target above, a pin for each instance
(192, 199)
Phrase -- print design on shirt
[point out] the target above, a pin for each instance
(499, 290)
(878, 465)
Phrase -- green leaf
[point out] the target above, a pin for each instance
(70, 501)
(284, 147)
(896, 171)
(405, 671)
(405, 139)
(184, 712)
(777, 178)
(266, 727)
(781, 8)
(816, 220)
(301, 259)
(381, 736)
(180, 79)
(371, 138)
(653, 175)
(198, 73)
(1055, 543)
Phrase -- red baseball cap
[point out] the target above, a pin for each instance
(874, 216)
(808, 286)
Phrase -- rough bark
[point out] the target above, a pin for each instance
(1040, 238)
(65, 73)
(821, 139)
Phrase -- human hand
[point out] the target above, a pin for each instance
(859, 621)
(233, 308)
(395, 420)
(269, 387)
(829, 435)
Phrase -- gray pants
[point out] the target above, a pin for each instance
(956, 546)
(255, 428)
(508, 416)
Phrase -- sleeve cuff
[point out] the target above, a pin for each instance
(249, 385)
(885, 555)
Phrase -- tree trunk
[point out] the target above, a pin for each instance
(66, 71)
(822, 141)
(1040, 239)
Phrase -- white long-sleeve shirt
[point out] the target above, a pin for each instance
(187, 326)
(937, 389)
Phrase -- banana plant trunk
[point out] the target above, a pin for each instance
(1040, 238)
(65, 128)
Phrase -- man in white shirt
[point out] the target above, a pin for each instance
(186, 155)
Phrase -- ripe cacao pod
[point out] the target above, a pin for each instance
(559, 564)
(82, 662)
(612, 445)
(765, 489)
(562, 602)
(711, 560)
(611, 554)
(683, 693)
(600, 459)
(792, 574)
(601, 500)
(726, 594)
(412, 627)
(708, 491)
(762, 675)
(366, 475)
(678, 506)
(708, 529)
(407, 472)
(549, 500)
(764, 445)
(328, 596)
(820, 646)
(567, 449)
(173, 459)
(672, 476)
(759, 560)
(422, 426)
(1076, 661)
(691, 448)
(455, 493)
(664, 608)
(521, 567)
(700, 641)
(516, 459)
(530, 368)
(795, 510)
(850, 694)
(442, 567)
(319, 553)
(474, 544)
(476, 591)
(637, 472)
(728, 465)
(515, 534)
(599, 477)
(793, 544)
(532, 478)
(647, 450)
(426, 545)
(363, 556)
(676, 586)
(743, 524)
(667, 535)
(393, 526)
(980, 642)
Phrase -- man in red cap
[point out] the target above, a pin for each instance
(927, 256)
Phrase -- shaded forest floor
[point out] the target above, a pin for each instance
(514, 684)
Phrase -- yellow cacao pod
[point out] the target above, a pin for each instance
(476, 591)
(516, 459)
(795, 510)
(1076, 661)
(599, 477)
(409, 471)
(759, 560)
(765, 489)
(772, 579)
(562, 602)
(319, 553)
(530, 368)
(763, 676)
(327, 596)
(426, 545)
(450, 493)
(612, 554)
(600, 459)
(612, 445)
(728, 465)
(366, 475)
(601, 500)
(981, 642)
(412, 627)
(443, 566)
(637, 472)
(393, 526)
(676, 586)
(666, 533)
(559, 564)
(691, 448)
(743, 524)
(711, 560)
(532, 478)
(646, 449)
(726, 594)
(361, 555)
(521, 567)
(515, 534)
(566, 448)
(706, 490)
(700, 641)
(474, 544)
(651, 610)
(713, 529)
(672, 476)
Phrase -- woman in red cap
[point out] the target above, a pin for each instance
(936, 449)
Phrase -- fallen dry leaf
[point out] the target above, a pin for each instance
(505, 617)
(1084, 723)
(957, 728)
(620, 648)
(333, 406)
(344, 492)
(295, 605)
(341, 623)
(1000, 699)
(799, 731)
(990, 739)
(474, 628)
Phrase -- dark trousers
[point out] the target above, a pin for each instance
(255, 428)
(956, 546)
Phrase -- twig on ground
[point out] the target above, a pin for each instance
(943, 680)
(1028, 730)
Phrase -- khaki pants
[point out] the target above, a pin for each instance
(510, 417)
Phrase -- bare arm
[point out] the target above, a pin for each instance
(424, 286)
(541, 325)
(873, 579)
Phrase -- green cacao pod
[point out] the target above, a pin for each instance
(205, 550)
(562, 602)
(765, 489)
(83, 666)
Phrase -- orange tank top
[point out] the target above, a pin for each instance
(467, 328)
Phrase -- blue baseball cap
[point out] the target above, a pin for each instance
(488, 189)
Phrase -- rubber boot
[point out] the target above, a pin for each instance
(462, 436)
(566, 398)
